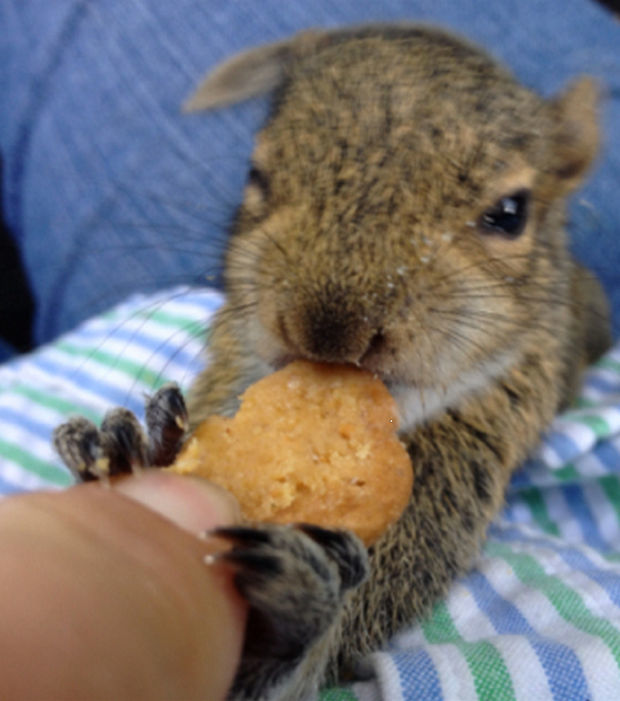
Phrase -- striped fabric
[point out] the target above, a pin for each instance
(538, 618)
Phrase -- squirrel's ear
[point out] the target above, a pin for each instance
(250, 73)
(576, 137)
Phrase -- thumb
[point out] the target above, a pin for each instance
(190, 502)
(119, 590)
(196, 506)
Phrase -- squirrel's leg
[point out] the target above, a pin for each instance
(296, 579)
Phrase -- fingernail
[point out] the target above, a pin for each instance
(190, 502)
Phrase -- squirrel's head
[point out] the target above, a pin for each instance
(404, 207)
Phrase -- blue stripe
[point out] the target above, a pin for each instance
(509, 514)
(172, 347)
(104, 392)
(563, 445)
(581, 511)
(604, 384)
(520, 478)
(517, 511)
(418, 676)
(606, 580)
(26, 421)
(560, 664)
(608, 453)
(609, 581)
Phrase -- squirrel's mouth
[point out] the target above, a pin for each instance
(284, 359)
(377, 354)
(280, 361)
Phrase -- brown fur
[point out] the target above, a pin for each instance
(359, 241)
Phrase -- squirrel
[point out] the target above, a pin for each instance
(404, 212)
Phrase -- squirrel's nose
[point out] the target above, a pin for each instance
(329, 332)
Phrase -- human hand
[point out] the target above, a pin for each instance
(101, 598)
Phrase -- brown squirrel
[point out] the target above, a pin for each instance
(405, 212)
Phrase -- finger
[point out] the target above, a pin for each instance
(107, 599)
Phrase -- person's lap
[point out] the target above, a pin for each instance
(109, 189)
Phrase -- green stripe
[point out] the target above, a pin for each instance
(538, 508)
(57, 404)
(568, 473)
(583, 403)
(183, 323)
(486, 665)
(337, 695)
(115, 362)
(565, 600)
(45, 470)
(611, 487)
(608, 364)
(595, 423)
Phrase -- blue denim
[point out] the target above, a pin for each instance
(108, 189)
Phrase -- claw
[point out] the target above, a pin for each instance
(167, 422)
(123, 441)
(240, 534)
(252, 563)
(78, 444)
(245, 553)
(344, 548)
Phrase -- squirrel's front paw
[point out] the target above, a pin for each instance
(120, 445)
(294, 578)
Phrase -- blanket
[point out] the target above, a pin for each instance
(539, 615)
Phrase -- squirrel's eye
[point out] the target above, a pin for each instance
(508, 216)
